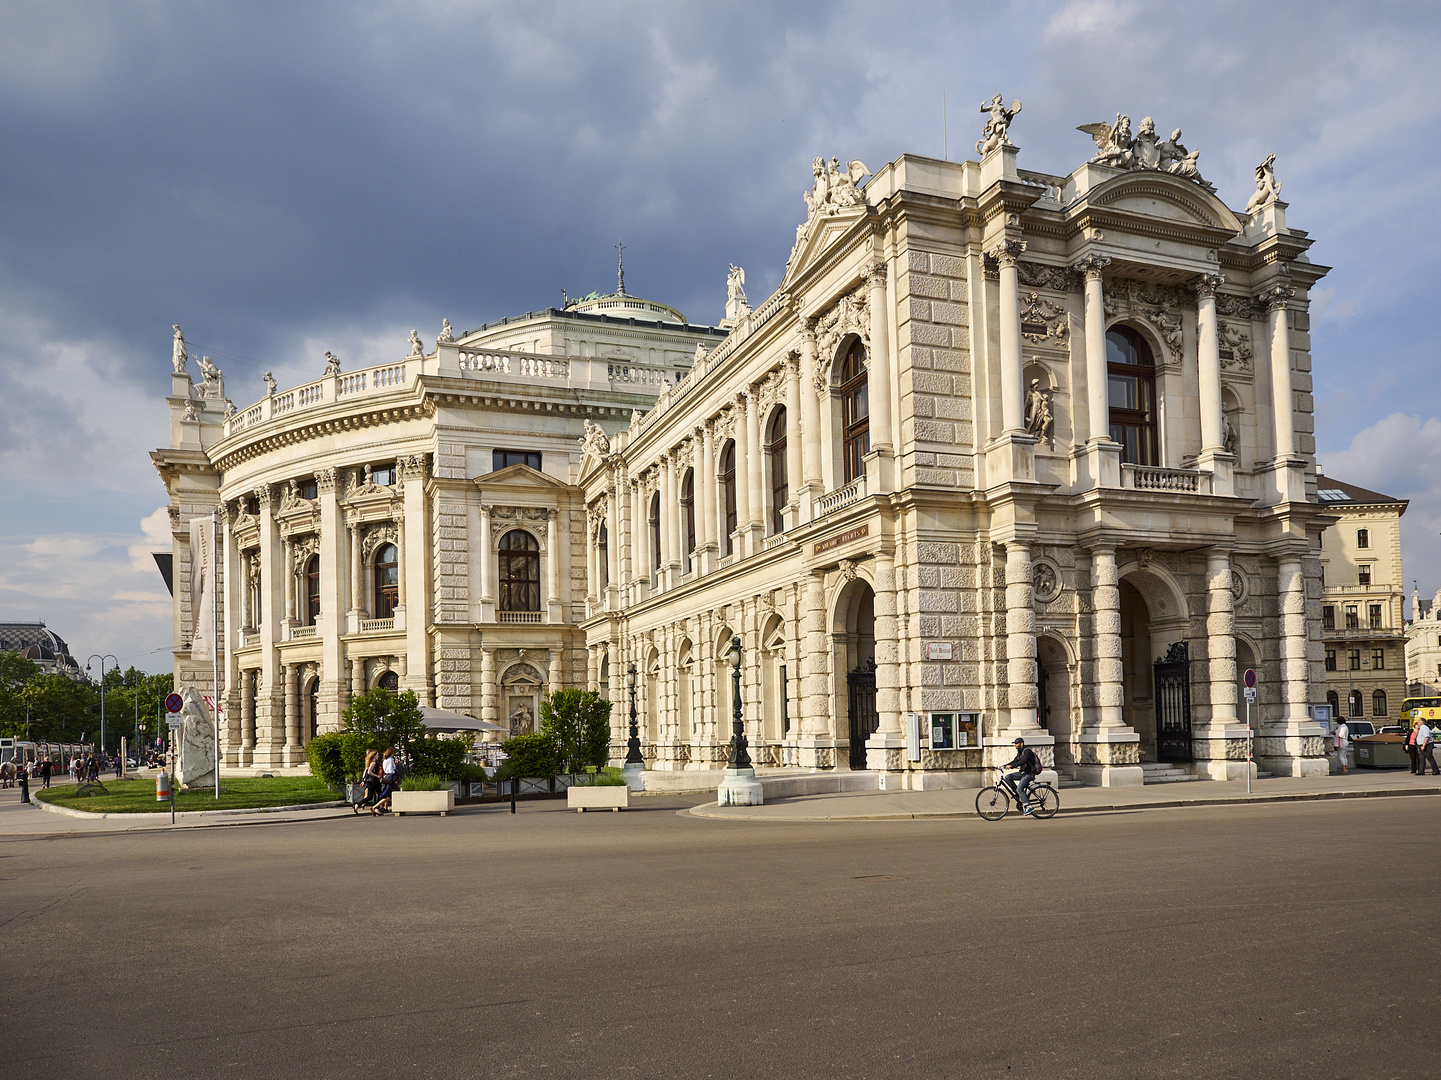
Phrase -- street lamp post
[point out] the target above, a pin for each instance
(634, 767)
(102, 659)
(740, 786)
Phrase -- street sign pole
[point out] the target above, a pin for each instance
(1250, 680)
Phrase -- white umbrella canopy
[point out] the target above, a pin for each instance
(445, 720)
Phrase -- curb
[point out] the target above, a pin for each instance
(89, 815)
(705, 810)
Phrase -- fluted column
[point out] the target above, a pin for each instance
(795, 443)
(1013, 419)
(889, 731)
(552, 565)
(487, 565)
(1208, 346)
(1106, 599)
(357, 594)
(708, 525)
(287, 560)
(881, 364)
(290, 673)
(743, 482)
(1283, 402)
(612, 540)
(1221, 638)
(667, 514)
(1293, 639)
(755, 507)
(1098, 411)
(1020, 638)
(810, 418)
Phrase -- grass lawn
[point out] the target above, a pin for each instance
(237, 793)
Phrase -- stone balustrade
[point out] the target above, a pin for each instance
(384, 378)
(518, 365)
(376, 626)
(300, 633)
(520, 617)
(844, 496)
(1153, 478)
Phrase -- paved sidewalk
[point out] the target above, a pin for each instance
(961, 802)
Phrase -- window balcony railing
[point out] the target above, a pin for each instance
(774, 541)
(376, 626)
(300, 633)
(841, 497)
(1152, 478)
(520, 617)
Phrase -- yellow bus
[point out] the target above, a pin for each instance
(1414, 709)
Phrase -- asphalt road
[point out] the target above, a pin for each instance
(1238, 941)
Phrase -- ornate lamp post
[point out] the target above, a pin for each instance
(740, 786)
(634, 767)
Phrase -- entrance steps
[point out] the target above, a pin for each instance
(1159, 772)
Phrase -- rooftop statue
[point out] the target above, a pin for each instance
(996, 133)
(230, 409)
(834, 190)
(212, 376)
(270, 386)
(446, 334)
(178, 354)
(1268, 188)
(1117, 148)
(595, 441)
(332, 363)
(736, 303)
(417, 350)
(192, 409)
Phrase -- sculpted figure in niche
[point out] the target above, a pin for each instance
(1039, 421)
(1230, 439)
(1043, 581)
(417, 350)
(270, 386)
(178, 353)
(446, 333)
(1268, 188)
(996, 133)
(522, 720)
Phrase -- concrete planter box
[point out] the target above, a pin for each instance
(423, 802)
(582, 799)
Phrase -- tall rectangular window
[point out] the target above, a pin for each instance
(1328, 617)
(1375, 616)
(1378, 659)
(1353, 659)
(1353, 621)
(1330, 659)
(1363, 538)
(504, 459)
(1363, 576)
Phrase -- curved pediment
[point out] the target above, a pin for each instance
(1160, 195)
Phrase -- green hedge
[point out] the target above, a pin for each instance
(326, 762)
(530, 755)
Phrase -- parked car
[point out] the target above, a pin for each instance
(1394, 729)
(1359, 729)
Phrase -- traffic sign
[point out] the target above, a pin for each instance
(1251, 694)
(175, 720)
(174, 703)
(1251, 678)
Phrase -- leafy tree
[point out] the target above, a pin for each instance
(61, 709)
(579, 723)
(530, 755)
(324, 754)
(15, 670)
(378, 720)
(442, 756)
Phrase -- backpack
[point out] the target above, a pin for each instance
(1036, 766)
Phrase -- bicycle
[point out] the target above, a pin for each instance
(994, 802)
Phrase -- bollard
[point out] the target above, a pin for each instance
(162, 787)
(514, 788)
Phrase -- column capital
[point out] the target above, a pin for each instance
(1006, 250)
(1275, 296)
(265, 496)
(808, 331)
(875, 272)
(791, 363)
(325, 480)
(1207, 284)
(1091, 267)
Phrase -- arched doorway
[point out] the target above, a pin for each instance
(311, 725)
(1155, 664)
(854, 647)
(1053, 697)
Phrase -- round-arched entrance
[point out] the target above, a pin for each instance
(853, 644)
(1054, 671)
(1155, 665)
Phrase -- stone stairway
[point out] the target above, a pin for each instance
(1158, 772)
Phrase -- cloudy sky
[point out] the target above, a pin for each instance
(285, 178)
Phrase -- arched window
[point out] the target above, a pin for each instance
(519, 572)
(387, 581)
(389, 681)
(1378, 703)
(687, 517)
(1333, 699)
(776, 455)
(728, 494)
(1131, 381)
(1357, 708)
(312, 591)
(654, 521)
(855, 410)
(602, 543)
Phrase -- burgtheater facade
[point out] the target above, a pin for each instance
(1005, 453)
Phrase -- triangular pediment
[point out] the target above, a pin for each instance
(815, 237)
(519, 478)
(1161, 195)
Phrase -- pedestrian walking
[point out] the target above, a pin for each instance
(1411, 751)
(46, 768)
(390, 779)
(24, 782)
(1425, 750)
(1343, 743)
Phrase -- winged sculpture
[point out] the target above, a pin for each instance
(1113, 142)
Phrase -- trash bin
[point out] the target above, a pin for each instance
(1381, 752)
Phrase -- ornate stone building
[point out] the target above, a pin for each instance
(1362, 602)
(1006, 452)
(1423, 647)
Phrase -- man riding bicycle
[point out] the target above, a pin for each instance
(1029, 767)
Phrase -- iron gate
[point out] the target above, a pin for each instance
(864, 721)
(1173, 704)
(1043, 697)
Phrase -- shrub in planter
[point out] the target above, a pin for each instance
(579, 722)
(443, 757)
(423, 783)
(605, 777)
(530, 755)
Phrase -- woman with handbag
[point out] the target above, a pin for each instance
(390, 780)
(371, 778)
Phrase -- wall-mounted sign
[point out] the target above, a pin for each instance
(953, 731)
(939, 650)
(842, 538)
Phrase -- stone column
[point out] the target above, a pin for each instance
(593, 526)
(272, 614)
(488, 708)
(1292, 744)
(414, 578)
(246, 617)
(612, 542)
(1020, 641)
(667, 517)
(1208, 346)
(816, 745)
(331, 622)
(357, 594)
(487, 567)
(287, 559)
(881, 366)
(1211, 757)
(403, 564)
(1013, 418)
(1283, 402)
(882, 748)
(795, 442)
(1098, 411)
(292, 755)
(708, 525)
(1108, 751)
(755, 514)
(743, 474)
(638, 569)
(810, 420)
(552, 567)
(247, 717)
(554, 678)
(357, 678)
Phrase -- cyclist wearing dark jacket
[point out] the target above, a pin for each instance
(1029, 767)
